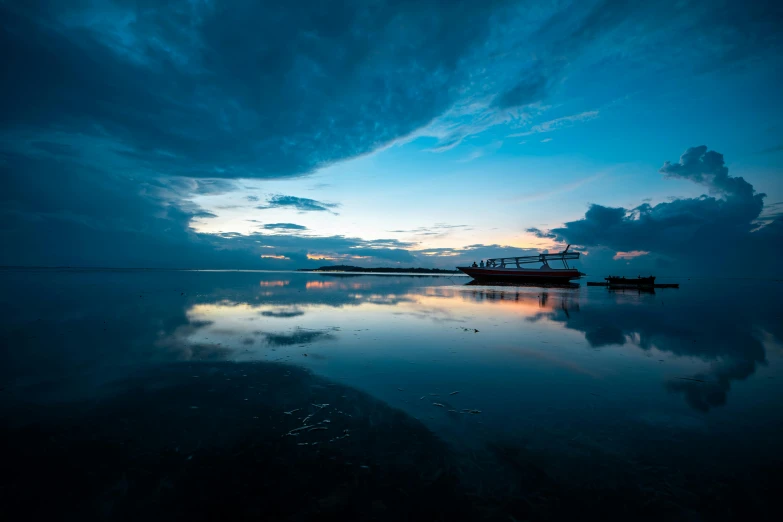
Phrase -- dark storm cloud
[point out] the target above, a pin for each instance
(300, 204)
(120, 112)
(284, 226)
(239, 89)
(728, 32)
(711, 231)
(80, 217)
(708, 168)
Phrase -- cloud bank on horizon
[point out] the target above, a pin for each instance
(117, 115)
(704, 232)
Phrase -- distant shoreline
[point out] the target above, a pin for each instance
(348, 268)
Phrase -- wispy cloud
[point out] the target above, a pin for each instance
(630, 255)
(557, 123)
(482, 151)
(535, 196)
(473, 117)
(438, 229)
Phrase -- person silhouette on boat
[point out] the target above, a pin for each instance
(474, 265)
(481, 264)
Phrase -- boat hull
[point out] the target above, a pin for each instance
(521, 275)
(639, 281)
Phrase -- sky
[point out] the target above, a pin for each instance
(283, 135)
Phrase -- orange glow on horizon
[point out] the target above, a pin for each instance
(321, 284)
(273, 283)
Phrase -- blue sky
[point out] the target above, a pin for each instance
(217, 134)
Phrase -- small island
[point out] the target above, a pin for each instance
(349, 268)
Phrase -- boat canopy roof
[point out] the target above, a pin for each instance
(540, 258)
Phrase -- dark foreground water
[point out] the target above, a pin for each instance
(286, 396)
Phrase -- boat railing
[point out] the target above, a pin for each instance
(502, 262)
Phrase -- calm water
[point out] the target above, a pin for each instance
(290, 396)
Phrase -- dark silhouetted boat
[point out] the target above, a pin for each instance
(510, 269)
(624, 281)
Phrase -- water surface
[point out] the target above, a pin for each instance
(297, 396)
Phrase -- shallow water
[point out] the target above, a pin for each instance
(130, 394)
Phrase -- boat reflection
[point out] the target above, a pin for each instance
(538, 304)
(629, 290)
(474, 282)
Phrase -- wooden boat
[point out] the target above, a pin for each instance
(510, 269)
(623, 281)
(656, 285)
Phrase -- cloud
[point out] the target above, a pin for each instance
(252, 198)
(709, 234)
(284, 313)
(436, 226)
(197, 89)
(557, 123)
(300, 204)
(630, 255)
(770, 213)
(77, 218)
(299, 336)
(563, 188)
(541, 234)
(284, 226)
(707, 167)
(587, 40)
(481, 151)
(201, 187)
